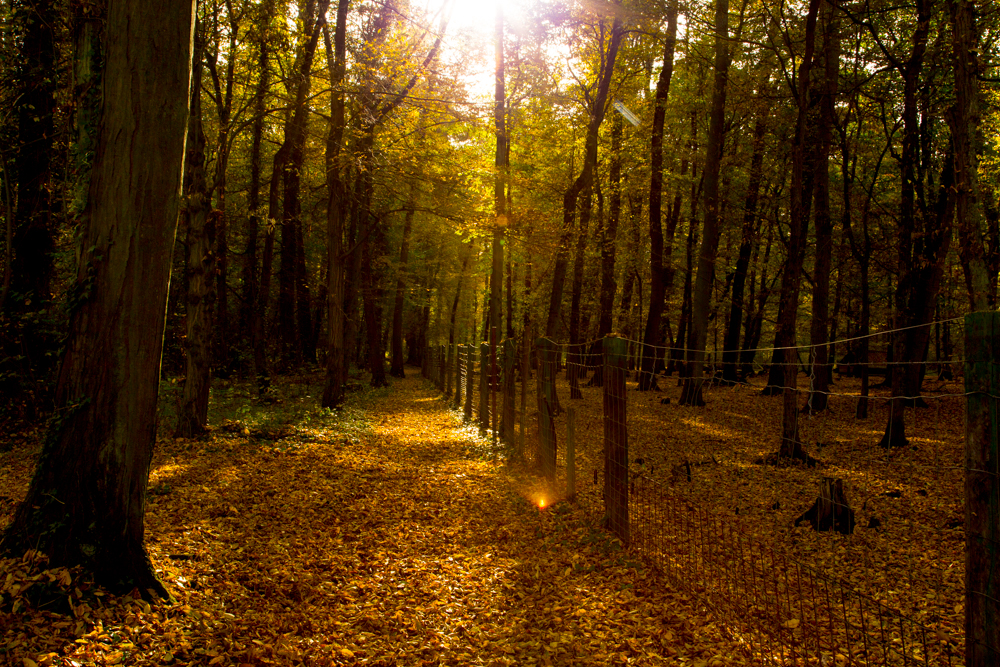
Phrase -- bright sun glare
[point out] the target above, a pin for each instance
(472, 23)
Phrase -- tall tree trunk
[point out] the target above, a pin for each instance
(293, 314)
(86, 501)
(583, 180)
(453, 320)
(755, 315)
(751, 228)
(964, 119)
(396, 369)
(707, 252)
(336, 55)
(609, 234)
(223, 96)
(920, 284)
(910, 275)
(787, 359)
(820, 326)
(575, 354)
(499, 179)
(252, 311)
(657, 285)
(192, 414)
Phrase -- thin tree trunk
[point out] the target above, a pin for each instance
(707, 252)
(820, 326)
(336, 55)
(799, 217)
(583, 180)
(909, 274)
(253, 313)
(751, 228)
(396, 369)
(657, 286)
(192, 414)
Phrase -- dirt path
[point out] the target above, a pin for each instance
(381, 535)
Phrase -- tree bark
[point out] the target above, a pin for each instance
(657, 285)
(820, 326)
(583, 180)
(192, 414)
(707, 252)
(253, 310)
(799, 219)
(336, 211)
(499, 178)
(223, 96)
(751, 227)
(964, 119)
(87, 498)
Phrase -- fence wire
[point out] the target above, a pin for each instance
(696, 491)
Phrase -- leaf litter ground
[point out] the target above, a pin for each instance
(383, 533)
(907, 551)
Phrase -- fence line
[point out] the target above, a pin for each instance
(785, 610)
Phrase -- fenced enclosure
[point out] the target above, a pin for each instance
(856, 551)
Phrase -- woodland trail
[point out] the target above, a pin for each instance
(382, 534)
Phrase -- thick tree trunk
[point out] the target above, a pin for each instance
(303, 296)
(86, 502)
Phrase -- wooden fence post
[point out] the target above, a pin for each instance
(484, 388)
(982, 490)
(470, 380)
(615, 438)
(570, 453)
(443, 367)
(546, 406)
(509, 384)
(494, 381)
(458, 376)
(525, 375)
(447, 370)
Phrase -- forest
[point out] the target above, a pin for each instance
(304, 205)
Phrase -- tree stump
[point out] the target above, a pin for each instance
(831, 510)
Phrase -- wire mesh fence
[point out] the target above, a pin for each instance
(832, 536)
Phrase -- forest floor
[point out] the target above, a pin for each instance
(382, 533)
(703, 466)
